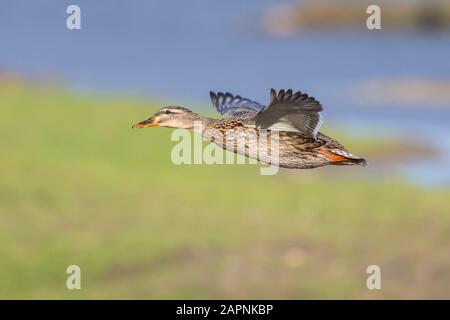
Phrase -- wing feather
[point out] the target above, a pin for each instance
(230, 105)
(289, 111)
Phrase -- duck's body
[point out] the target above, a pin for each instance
(295, 150)
(285, 133)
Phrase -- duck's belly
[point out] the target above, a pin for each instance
(283, 149)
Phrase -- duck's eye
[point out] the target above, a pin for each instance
(167, 112)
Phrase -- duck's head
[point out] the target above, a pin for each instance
(171, 117)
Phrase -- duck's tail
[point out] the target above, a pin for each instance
(356, 160)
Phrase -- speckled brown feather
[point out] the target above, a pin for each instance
(295, 150)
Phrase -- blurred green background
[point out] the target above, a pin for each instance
(79, 186)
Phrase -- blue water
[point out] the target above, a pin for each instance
(182, 49)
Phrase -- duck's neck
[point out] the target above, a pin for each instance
(201, 123)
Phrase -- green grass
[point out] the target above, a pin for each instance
(78, 186)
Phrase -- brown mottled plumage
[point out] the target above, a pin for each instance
(291, 121)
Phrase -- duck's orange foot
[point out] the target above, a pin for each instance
(340, 159)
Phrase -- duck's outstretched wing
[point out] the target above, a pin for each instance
(232, 106)
(290, 111)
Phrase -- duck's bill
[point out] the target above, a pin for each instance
(146, 123)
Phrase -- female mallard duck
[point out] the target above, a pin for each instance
(295, 117)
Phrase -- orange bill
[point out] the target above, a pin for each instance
(146, 123)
